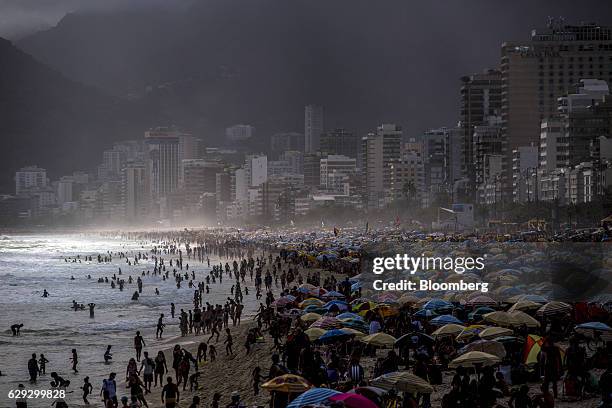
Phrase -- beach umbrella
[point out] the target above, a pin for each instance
(349, 315)
(554, 308)
(315, 309)
(589, 329)
(350, 400)
(336, 304)
(332, 294)
(386, 310)
(318, 292)
(445, 319)
(414, 339)
(388, 297)
(403, 381)
(434, 304)
(382, 340)
(523, 305)
(481, 301)
(307, 286)
(470, 331)
(532, 298)
(287, 383)
(333, 335)
(314, 333)
(523, 318)
(313, 396)
(487, 346)
(282, 302)
(310, 317)
(494, 332)
(373, 393)
(311, 302)
(361, 306)
(354, 332)
(448, 330)
(356, 324)
(501, 318)
(474, 358)
(425, 313)
(327, 323)
(408, 299)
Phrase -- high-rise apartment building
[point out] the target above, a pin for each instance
(163, 161)
(30, 178)
(313, 127)
(134, 191)
(378, 150)
(480, 99)
(281, 142)
(341, 142)
(538, 71)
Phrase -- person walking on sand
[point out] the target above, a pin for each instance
(139, 343)
(229, 341)
(75, 361)
(161, 368)
(170, 394)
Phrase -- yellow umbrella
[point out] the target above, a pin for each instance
(386, 310)
(470, 331)
(311, 301)
(310, 317)
(314, 333)
(382, 340)
(288, 383)
(474, 358)
(450, 329)
(494, 332)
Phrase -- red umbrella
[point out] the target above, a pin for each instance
(354, 401)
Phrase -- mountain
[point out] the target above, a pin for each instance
(51, 121)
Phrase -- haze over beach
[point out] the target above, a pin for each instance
(343, 204)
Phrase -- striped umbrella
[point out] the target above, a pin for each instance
(313, 396)
(287, 383)
(402, 381)
(554, 308)
(327, 323)
(350, 400)
(494, 332)
(482, 301)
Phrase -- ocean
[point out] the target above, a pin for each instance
(30, 264)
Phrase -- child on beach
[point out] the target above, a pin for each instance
(42, 362)
(87, 389)
(212, 353)
(256, 377)
(108, 356)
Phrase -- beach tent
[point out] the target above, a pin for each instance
(313, 396)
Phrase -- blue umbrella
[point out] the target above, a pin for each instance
(425, 313)
(333, 294)
(333, 335)
(598, 326)
(437, 304)
(342, 306)
(313, 396)
(349, 315)
(445, 319)
(314, 309)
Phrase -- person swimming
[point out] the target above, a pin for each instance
(45, 293)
